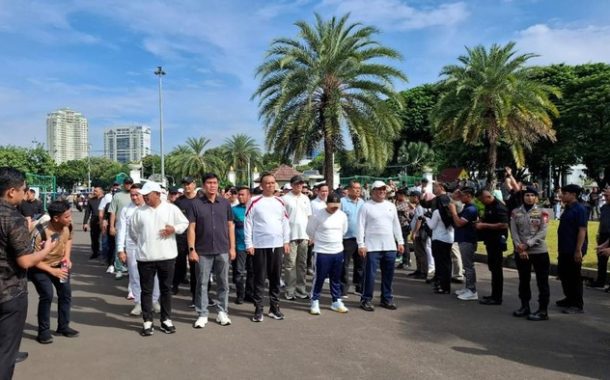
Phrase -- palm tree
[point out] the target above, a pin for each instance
(242, 151)
(327, 84)
(491, 98)
(415, 155)
(190, 159)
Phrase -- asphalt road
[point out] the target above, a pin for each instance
(428, 337)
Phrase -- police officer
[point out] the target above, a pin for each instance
(528, 227)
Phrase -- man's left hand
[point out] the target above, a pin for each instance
(232, 254)
(167, 231)
(401, 249)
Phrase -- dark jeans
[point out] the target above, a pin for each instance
(267, 264)
(164, 270)
(12, 322)
(385, 260)
(602, 268)
(541, 264)
(327, 265)
(44, 283)
(350, 252)
(441, 252)
(109, 247)
(571, 282)
(494, 263)
(405, 258)
(242, 275)
(95, 231)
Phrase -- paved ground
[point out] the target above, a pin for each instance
(428, 337)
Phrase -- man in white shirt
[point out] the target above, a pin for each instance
(319, 203)
(153, 229)
(267, 238)
(295, 263)
(379, 237)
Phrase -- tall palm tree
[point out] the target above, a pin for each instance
(491, 98)
(241, 151)
(190, 159)
(325, 84)
(415, 155)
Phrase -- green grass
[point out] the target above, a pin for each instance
(590, 260)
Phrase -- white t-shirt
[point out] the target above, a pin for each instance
(317, 204)
(266, 224)
(105, 200)
(299, 211)
(439, 230)
(378, 227)
(327, 230)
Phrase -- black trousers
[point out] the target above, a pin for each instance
(541, 264)
(405, 258)
(494, 263)
(602, 268)
(164, 269)
(110, 248)
(350, 253)
(243, 277)
(267, 265)
(571, 282)
(12, 322)
(180, 268)
(441, 252)
(95, 230)
(44, 283)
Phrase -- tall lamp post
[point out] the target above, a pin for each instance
(160, 73)
(88, 167)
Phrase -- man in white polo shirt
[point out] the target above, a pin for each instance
(379, 237)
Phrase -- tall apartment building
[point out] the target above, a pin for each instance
(67, 135)
(128, 143)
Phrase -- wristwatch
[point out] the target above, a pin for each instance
(191, 249)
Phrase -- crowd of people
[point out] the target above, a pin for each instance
(272, 238)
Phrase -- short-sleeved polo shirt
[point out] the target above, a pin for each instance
(211, 225)
(572, 219)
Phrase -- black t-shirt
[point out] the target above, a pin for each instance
(211, 225)
(494, 213)
(184, 204)
(31, 209)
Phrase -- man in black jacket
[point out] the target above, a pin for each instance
(91, 221)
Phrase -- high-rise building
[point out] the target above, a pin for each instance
(67, 135)
(127, 143)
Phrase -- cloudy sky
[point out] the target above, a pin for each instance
(98, 57)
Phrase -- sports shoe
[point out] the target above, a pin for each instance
(157, 307)
(303, 296)
(460, 291)
(68, 332)
(137, 310)
(289, 297)
(44, 338)
(538, 316)
(275, 313)
(339, 307)
(315, 308)
(223, 319)
(200, 322)
(366, 306)
(573, 310)
(118, 275)
(110, 269)
(469, 295)
(388, 305)
(258, 316)
(147, 329)
(167, 327)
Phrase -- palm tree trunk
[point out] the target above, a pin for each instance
(492, 159)
(328, 162)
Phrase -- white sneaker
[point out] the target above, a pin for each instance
(118, 275)
(460, 291)
(339, 307)
(157, 307)
(200, 322)
(468, 295)
(223, 318)
(137, 310)
(315, 308)
(110, 269)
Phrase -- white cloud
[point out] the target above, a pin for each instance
(398, 15)
(566, 45)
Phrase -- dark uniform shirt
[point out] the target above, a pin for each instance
(211, 225)
(496, 212)
(91, 211)
(15, 241)
(604, 224)
(184, 204)
(572, 219)
(33, 208)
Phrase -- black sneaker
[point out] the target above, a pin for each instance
(21, 356)
(276, 313)
(538, 316)
(595, 285)
(44, 338)
(573, 310)
(258, 316)
(414, 274)
(522, 312)
(388, 305)
(490, 302)
(147, 331)
(239, 301)
(167, 327)
(175, 290)
(367, 306)
(68, 332)
(563, 303)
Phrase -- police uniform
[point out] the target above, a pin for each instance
(529, 228)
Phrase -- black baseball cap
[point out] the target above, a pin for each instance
(571, 188)
(188, 179)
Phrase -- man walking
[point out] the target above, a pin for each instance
(119, 201)
(211, 241)
(153, 228)
(242, 265)
(185, 203)
(379, 238)
(91, 220)
(295, 263)
(351, 206)
(267, 238)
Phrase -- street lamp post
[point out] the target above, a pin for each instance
(160, 73)
(88, 167)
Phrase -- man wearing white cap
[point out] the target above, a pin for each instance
(379, 237)
(153, 229)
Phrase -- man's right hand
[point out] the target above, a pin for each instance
(362, 251)
(112, 231)
(59, 273)
(123, 257)
(85, 227)
(193, 257)
(250, 251)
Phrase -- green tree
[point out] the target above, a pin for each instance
(190, 159)
(328, 79)
(151, 164)
(492, 97)
(415, 155)
(70, 173)
(242, 152)
(104, 171)
(35, 161)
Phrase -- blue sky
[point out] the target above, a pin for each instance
(98, 57)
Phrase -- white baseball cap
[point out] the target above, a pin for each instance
(378, 185)
(149, 187)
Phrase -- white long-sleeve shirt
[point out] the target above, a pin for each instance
(266, 224)
(124, 242)
(327, 230)
(146, 224)
(439, 230)
(378, 227)
(299, 211)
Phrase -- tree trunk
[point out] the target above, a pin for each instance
(492, 159)
(328, 162)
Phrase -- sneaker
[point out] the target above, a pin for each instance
(200, 322)
(118, 275)
(345, 296)
(258, 316)
(339, 307)
(68, 332)
(110, 269)
(366, 306)
(137, 310)
(460, 291)
(563, 302)
(44, 338)
(157, 307)
(175, 290)
(275, 313)
(315, 308)
(239, 301)
(573, 310)
(147, 329)
(289, 297)
(167, 327)
(223, 319)
(303, 296)
(388, 305)
(469, 295)
(538, 316)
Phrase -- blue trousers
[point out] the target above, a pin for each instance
(327, 265)
(385, 260)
